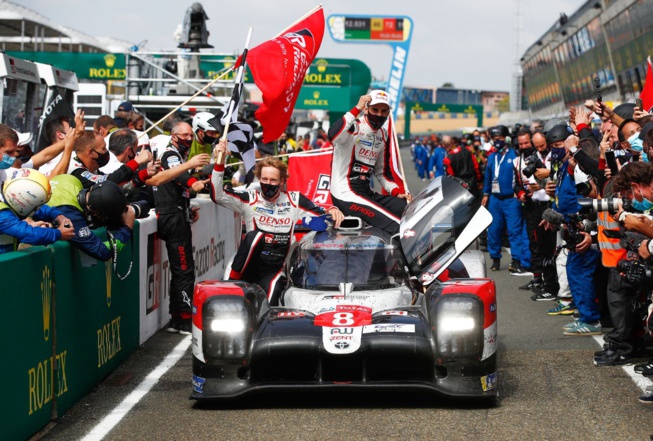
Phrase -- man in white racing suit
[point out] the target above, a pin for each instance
(361, 148)
(270, 215)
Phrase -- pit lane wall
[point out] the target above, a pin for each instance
(68, 321)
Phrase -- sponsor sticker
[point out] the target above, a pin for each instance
(489, 382)
(402, 313)
(365, 142)
(408, 233)
(264, 210)
(84, 232)
(291, 314)
(389, 327)
(493, 307)
(198, 384)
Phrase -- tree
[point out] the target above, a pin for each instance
(504, 104)
(449, 85)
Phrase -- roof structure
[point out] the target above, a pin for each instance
(22, 29)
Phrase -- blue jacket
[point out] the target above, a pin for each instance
(436, 162)
(506, 176)
(12, 225)
(566, 200)
(88, 242)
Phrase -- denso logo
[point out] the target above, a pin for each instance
(362, 210)
(367, 153)
(274, 221)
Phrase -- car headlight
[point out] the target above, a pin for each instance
(459, 326)
(227, 326)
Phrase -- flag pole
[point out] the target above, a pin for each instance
(401, 163)
(312, 11)
(215, 80)
(239, 80)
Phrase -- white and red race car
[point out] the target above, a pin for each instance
(362, 310)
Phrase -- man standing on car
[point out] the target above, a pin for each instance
(360, 148)
(270, 216)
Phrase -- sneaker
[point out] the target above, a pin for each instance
(582, 328)
(543, 296)
(496, 264)
(533, 283)
(178, 325)
(573, 325)
(646, 399)
(611, 358)
(647, 371)
(520, 271)
(562, 309)
(648, 366)
(514, 266)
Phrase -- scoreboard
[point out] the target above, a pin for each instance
(372, 29)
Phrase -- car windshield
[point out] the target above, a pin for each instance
(366, 261)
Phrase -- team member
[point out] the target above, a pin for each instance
(360, 148)
(461, 163)
(103, 205)
(23, 194)
(174, 216)
(499, 197)
(204, 133)
(270, 215)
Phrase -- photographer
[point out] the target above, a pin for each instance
(634, 182)
(582, 259)
(102, 205)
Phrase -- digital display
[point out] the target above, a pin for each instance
(374, 28)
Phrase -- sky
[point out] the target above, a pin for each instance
(470, 43)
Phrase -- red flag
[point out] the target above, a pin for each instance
(279, 66)
(647, 92)
(310, 174)
(392, 163)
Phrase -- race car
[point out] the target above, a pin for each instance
(362, 310)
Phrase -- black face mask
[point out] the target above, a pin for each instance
(269, 191)
(184, 144)
(102, 158)
(376, 121)
(527, 152)
(209, 139)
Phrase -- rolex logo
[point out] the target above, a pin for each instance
(316, 94)
(110, 60)
(322, 65)
(108, 275)
(46, 301)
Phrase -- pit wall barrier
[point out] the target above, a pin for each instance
(68, 321)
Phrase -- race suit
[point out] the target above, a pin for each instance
(120, 176)
(269, 225)
(359, 151)
(172, 201)
(14, 230)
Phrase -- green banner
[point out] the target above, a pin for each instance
(26, 337)
(92, 66)
(334, 84)
(70, 323)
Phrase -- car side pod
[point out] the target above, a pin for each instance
(224, 317)
(463, 314)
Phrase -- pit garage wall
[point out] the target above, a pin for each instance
(68, 321)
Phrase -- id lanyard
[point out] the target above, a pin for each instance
(497, 165)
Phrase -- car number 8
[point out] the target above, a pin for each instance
(343, 319)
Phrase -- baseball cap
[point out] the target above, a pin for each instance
(647, 128)
(380, 97)
(126, 106)
(23, 138)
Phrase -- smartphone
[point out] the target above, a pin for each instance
(611, 160)
(638, 103)
(154, 154)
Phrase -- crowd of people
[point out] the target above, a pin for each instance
(573, 196)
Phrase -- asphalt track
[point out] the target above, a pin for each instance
(549, 388)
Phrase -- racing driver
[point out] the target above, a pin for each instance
(361, 147)
(270, 215)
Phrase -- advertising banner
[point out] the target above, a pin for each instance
(216, 236)
(26, 335)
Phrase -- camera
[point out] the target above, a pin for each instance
(141, 209)
(533, 162)
(636, 272)
(590, 205)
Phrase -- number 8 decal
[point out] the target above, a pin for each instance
(343, 319)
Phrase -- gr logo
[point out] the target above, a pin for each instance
(322, 189)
